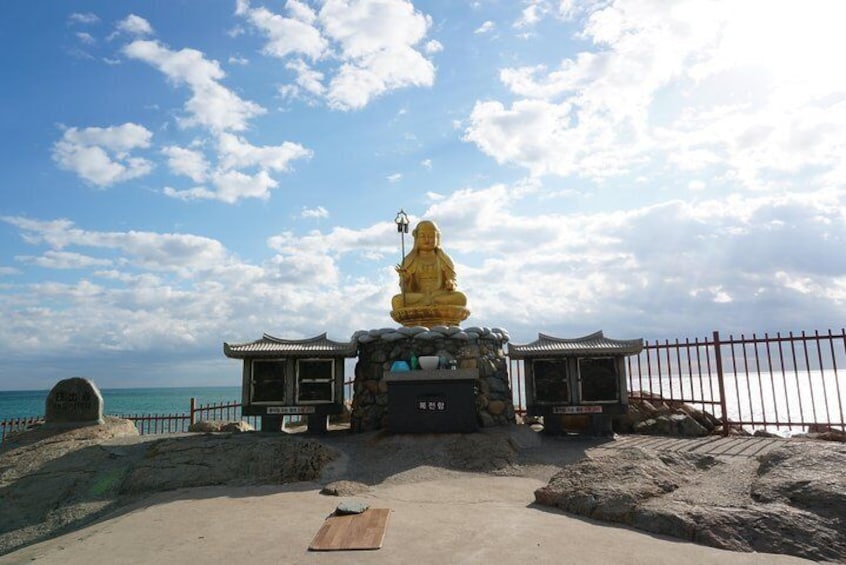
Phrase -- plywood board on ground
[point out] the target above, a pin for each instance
(352, 531)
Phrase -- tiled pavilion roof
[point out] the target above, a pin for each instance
(589, 345)
(269, 346)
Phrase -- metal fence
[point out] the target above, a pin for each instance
(153, 423)
(178, 423)
(12, 425)
(775, 382)
(770, 382)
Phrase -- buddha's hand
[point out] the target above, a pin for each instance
(449, 285)
(403, 275)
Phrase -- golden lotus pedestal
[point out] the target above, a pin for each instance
(430, 316)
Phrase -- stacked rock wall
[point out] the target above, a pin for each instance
(470, 348)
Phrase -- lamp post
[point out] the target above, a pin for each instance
(402, 227)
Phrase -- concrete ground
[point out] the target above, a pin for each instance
(457, 518)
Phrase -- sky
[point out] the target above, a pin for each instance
(179, 174)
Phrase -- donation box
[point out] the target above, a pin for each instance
(432, 401)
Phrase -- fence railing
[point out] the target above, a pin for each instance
(776, 382)
(153, 423)
(769, 382)
(12, 425)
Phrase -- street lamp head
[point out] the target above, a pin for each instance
(401, 221)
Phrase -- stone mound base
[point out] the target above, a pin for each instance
(479, 349)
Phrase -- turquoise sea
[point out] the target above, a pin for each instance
(124, 401)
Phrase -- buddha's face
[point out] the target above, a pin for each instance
(426, 237)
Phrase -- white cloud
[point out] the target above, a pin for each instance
(242, 170)
(173, 293)
(764, 261)
(532, 13)
(395, 177)
(64, 260)
(294, 34)
(135, 25)
(319, 212)
(180, 253)
(372, 43)
(87, 18)
(433, 46)
(241, 61)
(85, 38)
(102, 156)
(486, 27)
(235, 152)
(309, 82)
(211, 105)
(426, 164)
(690, 84)
(188, 162)
(229, 186)
(238, 169)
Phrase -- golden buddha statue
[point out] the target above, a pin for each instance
(427, 279)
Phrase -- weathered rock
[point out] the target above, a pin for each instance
(804, 476)
(655, 426)
(687, 426)
(833, 435)
(220, 426)
(824, 432)
(496, 407)
(54, 479)
(792, 500)
(589, 488)
(111, 427)
(351, 507)
(344, 488)
(650, 414)
(184, 462)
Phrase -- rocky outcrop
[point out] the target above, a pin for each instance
(824, 432)
(791, 500)
(211, 426)
(225, 460)
(51, 481)
(650, 414)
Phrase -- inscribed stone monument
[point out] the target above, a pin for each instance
(74, 401)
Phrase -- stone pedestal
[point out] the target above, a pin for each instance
(474, 348)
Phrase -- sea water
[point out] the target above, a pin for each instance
(124, 401)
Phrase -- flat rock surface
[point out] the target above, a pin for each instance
(791, 499)
(455, 497)
(53, 480)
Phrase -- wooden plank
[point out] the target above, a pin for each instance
(352, 531)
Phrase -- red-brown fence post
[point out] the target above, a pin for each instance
(193, 408)
(718, 360)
